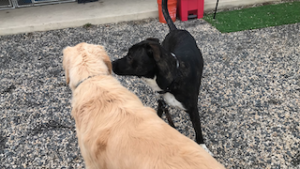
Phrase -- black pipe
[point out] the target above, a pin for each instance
(216, 9)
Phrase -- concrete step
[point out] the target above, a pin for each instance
(58, 16)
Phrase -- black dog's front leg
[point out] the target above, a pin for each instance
(194, 116)
(162, 107)
(160, 110)
(169, 118)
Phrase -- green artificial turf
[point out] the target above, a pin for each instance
(254, 18)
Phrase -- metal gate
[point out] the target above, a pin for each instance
(6, 4)
(9, 4)
(24, 3)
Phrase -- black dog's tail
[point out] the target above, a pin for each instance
(166, 14)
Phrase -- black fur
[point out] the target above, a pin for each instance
(161, 108)
(150, 59)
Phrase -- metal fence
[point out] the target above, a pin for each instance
(6, 4)
(10, 4)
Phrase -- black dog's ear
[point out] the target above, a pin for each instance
(154, 50)
(153, 40)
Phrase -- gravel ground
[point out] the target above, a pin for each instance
(249, 99)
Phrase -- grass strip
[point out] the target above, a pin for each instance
(255, 18)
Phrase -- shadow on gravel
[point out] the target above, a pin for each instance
(50, 125)
(3, 139)
(9, 89)
(296, 159)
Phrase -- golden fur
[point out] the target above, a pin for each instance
(114, 129)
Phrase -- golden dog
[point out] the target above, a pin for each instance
(114, 129)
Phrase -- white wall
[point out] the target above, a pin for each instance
(210, 5)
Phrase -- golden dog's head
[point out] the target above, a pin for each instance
(84, 60)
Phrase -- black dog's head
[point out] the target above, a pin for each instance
(140, 60)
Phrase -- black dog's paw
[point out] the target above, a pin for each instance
(207, 150)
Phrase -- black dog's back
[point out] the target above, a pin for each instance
(181, 42)
(178, 41)
(183, 45)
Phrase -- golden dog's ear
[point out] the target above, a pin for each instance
(67, 77)
(108, 64)
(106, 59)
(66, 64)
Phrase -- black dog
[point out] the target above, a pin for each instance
(173, 69)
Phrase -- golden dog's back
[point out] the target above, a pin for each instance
(115, 131)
